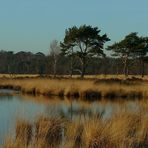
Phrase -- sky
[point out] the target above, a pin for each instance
(31, 25)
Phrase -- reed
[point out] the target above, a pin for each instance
(23, 132)
(124, 129)
(48, 132)
(23, 138)
(74, 135)
(85, 89)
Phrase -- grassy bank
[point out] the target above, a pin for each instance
(122, 130)
(87, 89)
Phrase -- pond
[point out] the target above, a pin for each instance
(13, 107)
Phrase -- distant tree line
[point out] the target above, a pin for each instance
(82, 52)
(29, 63)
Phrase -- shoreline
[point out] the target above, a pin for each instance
(79, 89)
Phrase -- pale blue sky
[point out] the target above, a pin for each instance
(31, 25)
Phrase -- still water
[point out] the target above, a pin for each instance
(17, 107)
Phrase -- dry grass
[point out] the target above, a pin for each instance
(48, 132)
(23, 132)
(124, 129)
(23, 135)
(45, 132)
(87, 89)
(100, 76)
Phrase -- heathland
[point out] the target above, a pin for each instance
(89, 88)
(123, 129)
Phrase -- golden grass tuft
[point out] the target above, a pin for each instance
(23, 132)
(73, 134)
(95, 133)
(124, 129)
(48, 131)
(23, 138)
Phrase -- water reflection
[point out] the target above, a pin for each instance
(28, 107)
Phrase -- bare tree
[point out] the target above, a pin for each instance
(54, 52)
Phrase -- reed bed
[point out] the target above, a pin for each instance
(100, 76)
(122, 130)
(86, 89)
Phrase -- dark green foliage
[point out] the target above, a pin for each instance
(133, 47)
(125, 47)
(83, 42)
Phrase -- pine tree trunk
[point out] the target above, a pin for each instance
(83, 68)
(71, 67)
(142, 67)
(125, 70)
(83, 72)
